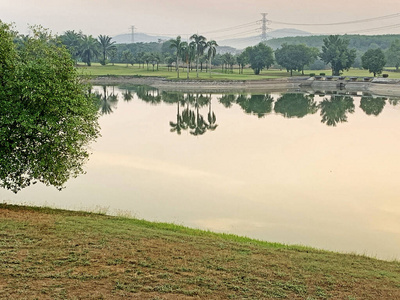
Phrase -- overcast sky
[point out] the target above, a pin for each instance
(173, 17)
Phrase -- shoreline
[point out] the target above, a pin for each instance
(377, 86)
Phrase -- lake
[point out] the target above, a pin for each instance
(319, 169)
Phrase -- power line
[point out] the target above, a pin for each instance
(233, 28)
(239, 34)
(374, 29)
(340, 23)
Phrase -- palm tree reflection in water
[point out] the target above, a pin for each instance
(334, 108)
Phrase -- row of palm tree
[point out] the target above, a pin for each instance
(86, 47)
(187, 51)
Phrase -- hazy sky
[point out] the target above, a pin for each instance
(185, 17)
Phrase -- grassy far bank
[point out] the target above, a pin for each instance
(123, 70)
(47, 253)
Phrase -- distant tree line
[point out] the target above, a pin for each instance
(317, 52)
(389, 44)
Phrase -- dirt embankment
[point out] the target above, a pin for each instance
(201, 85)
(377, 86)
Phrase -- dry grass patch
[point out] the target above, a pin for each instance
(47, 254)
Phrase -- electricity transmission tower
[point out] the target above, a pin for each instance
(264, 28)
(133, 33)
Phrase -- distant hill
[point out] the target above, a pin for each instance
(138, 38)
(242, 43)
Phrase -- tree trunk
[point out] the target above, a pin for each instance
(177, 64)
(197, 66)
(210, 67)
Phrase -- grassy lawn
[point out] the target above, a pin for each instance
(217, 74)
(51, 254)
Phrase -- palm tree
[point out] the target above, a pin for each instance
(89, 49)
(188, 51)
(72, 41)
(200, 42)
(106, 47)
(211, 51)
(177, 44)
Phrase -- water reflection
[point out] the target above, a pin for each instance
(107, 101)
(334, 106)
(292, 105)
(371, 105)
(335, 109)
(259, 105)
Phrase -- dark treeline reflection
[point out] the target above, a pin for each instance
(333, 107)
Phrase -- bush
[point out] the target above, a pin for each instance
(312, 74)
(385, 75)
(322, 74)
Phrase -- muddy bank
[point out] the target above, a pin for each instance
(203, 85)
(378, 86)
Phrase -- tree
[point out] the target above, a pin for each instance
(200, 45)
(211, 51)
(177, 45)
(242, 59)
(286, 56)
(336, 52)
(47, 117)
(89, 49)
(229, 60)
(393, 54)
(72, 41)
(374, 60)
(260, 57)
(156, 58)
(113, 55)
(127, 57)
(106, 47)
(295, 57)
(188, 52)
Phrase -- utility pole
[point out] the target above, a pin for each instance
(133, 33)
(264, 28)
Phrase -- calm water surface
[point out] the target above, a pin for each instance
(313, 169)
